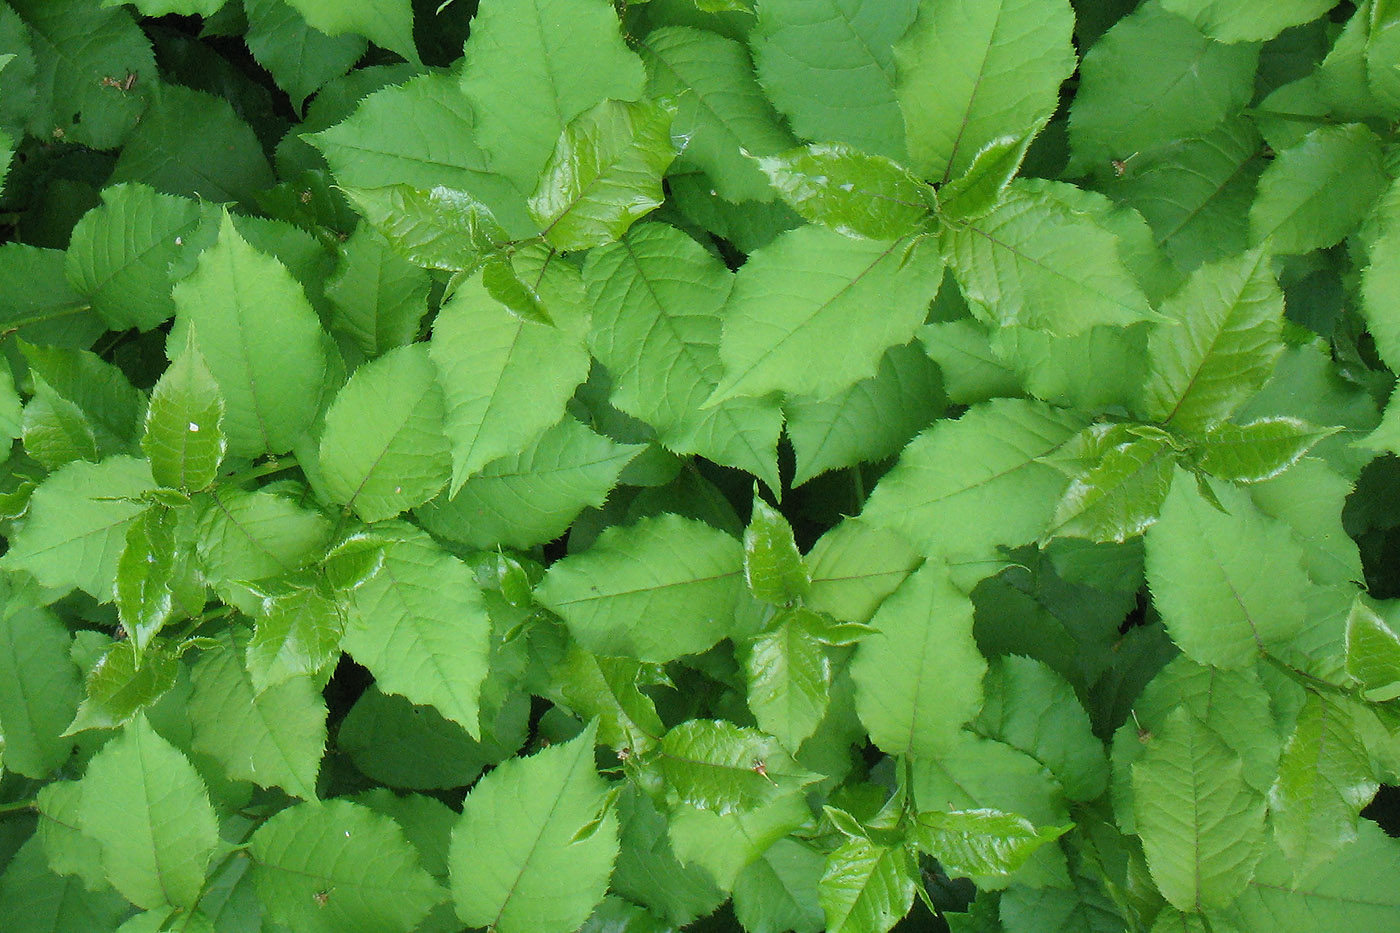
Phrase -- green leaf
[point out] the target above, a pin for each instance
(122, 684)
(74, 49)
(981, 842)
(1220, 345)
(246, 536)
(80, 385)
(1259, 450)
(773, 567)
(420, 626)
(75, 530)
(657, 297)
(1373, 653)
(184, 437)
(1309, 498)
(796, 320)
(852, 192)
(866, 887)
(1121, 492)
(1036, 261)
(655, 590)
(438, 228)
(919, 678)
(38, 300)
(383, 449)
(534, 65)
(868, 422)
(1318, 191)
(997, 68)
(854, 566)
(605, 173)
(505, 380)
(145, 805)
(35, 900)
(722, 112)
(505, 284)
(1030, 707)
(1380, 287)
(274, 738)
(715, 765)
(122, 253)
(610, 689)
(69, 851)
(387, 23)
(534, 496)
(723, 844)
(978, 190)
(339, 866)
(299, 630)
(788, 674)
(1251, 21)
(39, 686)
(195, 145)
(779, 892)
(261, 340)
(1229, 586)
(1196, 192)
(981, 475)
(526, 825)
(1325, 777)
(378, 298)
(1202, 826)
(1151, 79)
(1352, 891)
(299, 58)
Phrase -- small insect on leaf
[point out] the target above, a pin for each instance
(321, 897)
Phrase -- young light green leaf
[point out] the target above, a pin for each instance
(274, 738)
(868, 422)
(88, 389)
(976, 191)
(246, 536)
(184, 437)
(1153, 78)
(383, 449)
(145, 805)
(39, 686)
(722, 844)
(779, 892)
(796, 323)
(1325, 777)
(1259, 450)
(76, 526)
(526, 825)
(440, 228)
(1319, 190)
(1219, 346)
(663, 587)
(534, 496)
(298, 632)
(261, 340)
(145, 576)
(981, 475)
(122, 684)
(70, 852)
(609, 689)
(1202, 825)
(387, 23)
(533, 66)
(1229, 586)
(337, 865)
(1250, 21)
(1121, 493)
(852, 192)
(773, 567)
(971, 72)
(1373, 653)
(605, 173)
(504, 379)
(981, 842)
(829, 67)
(722, 113)
(788, 673)
(122, 253)
(1035, 261)
(715, 765)
(378, 298)
(919, 678)
(1380, 289)
(657, 297)
(866, 888)
(420, 625)
(854, 566)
